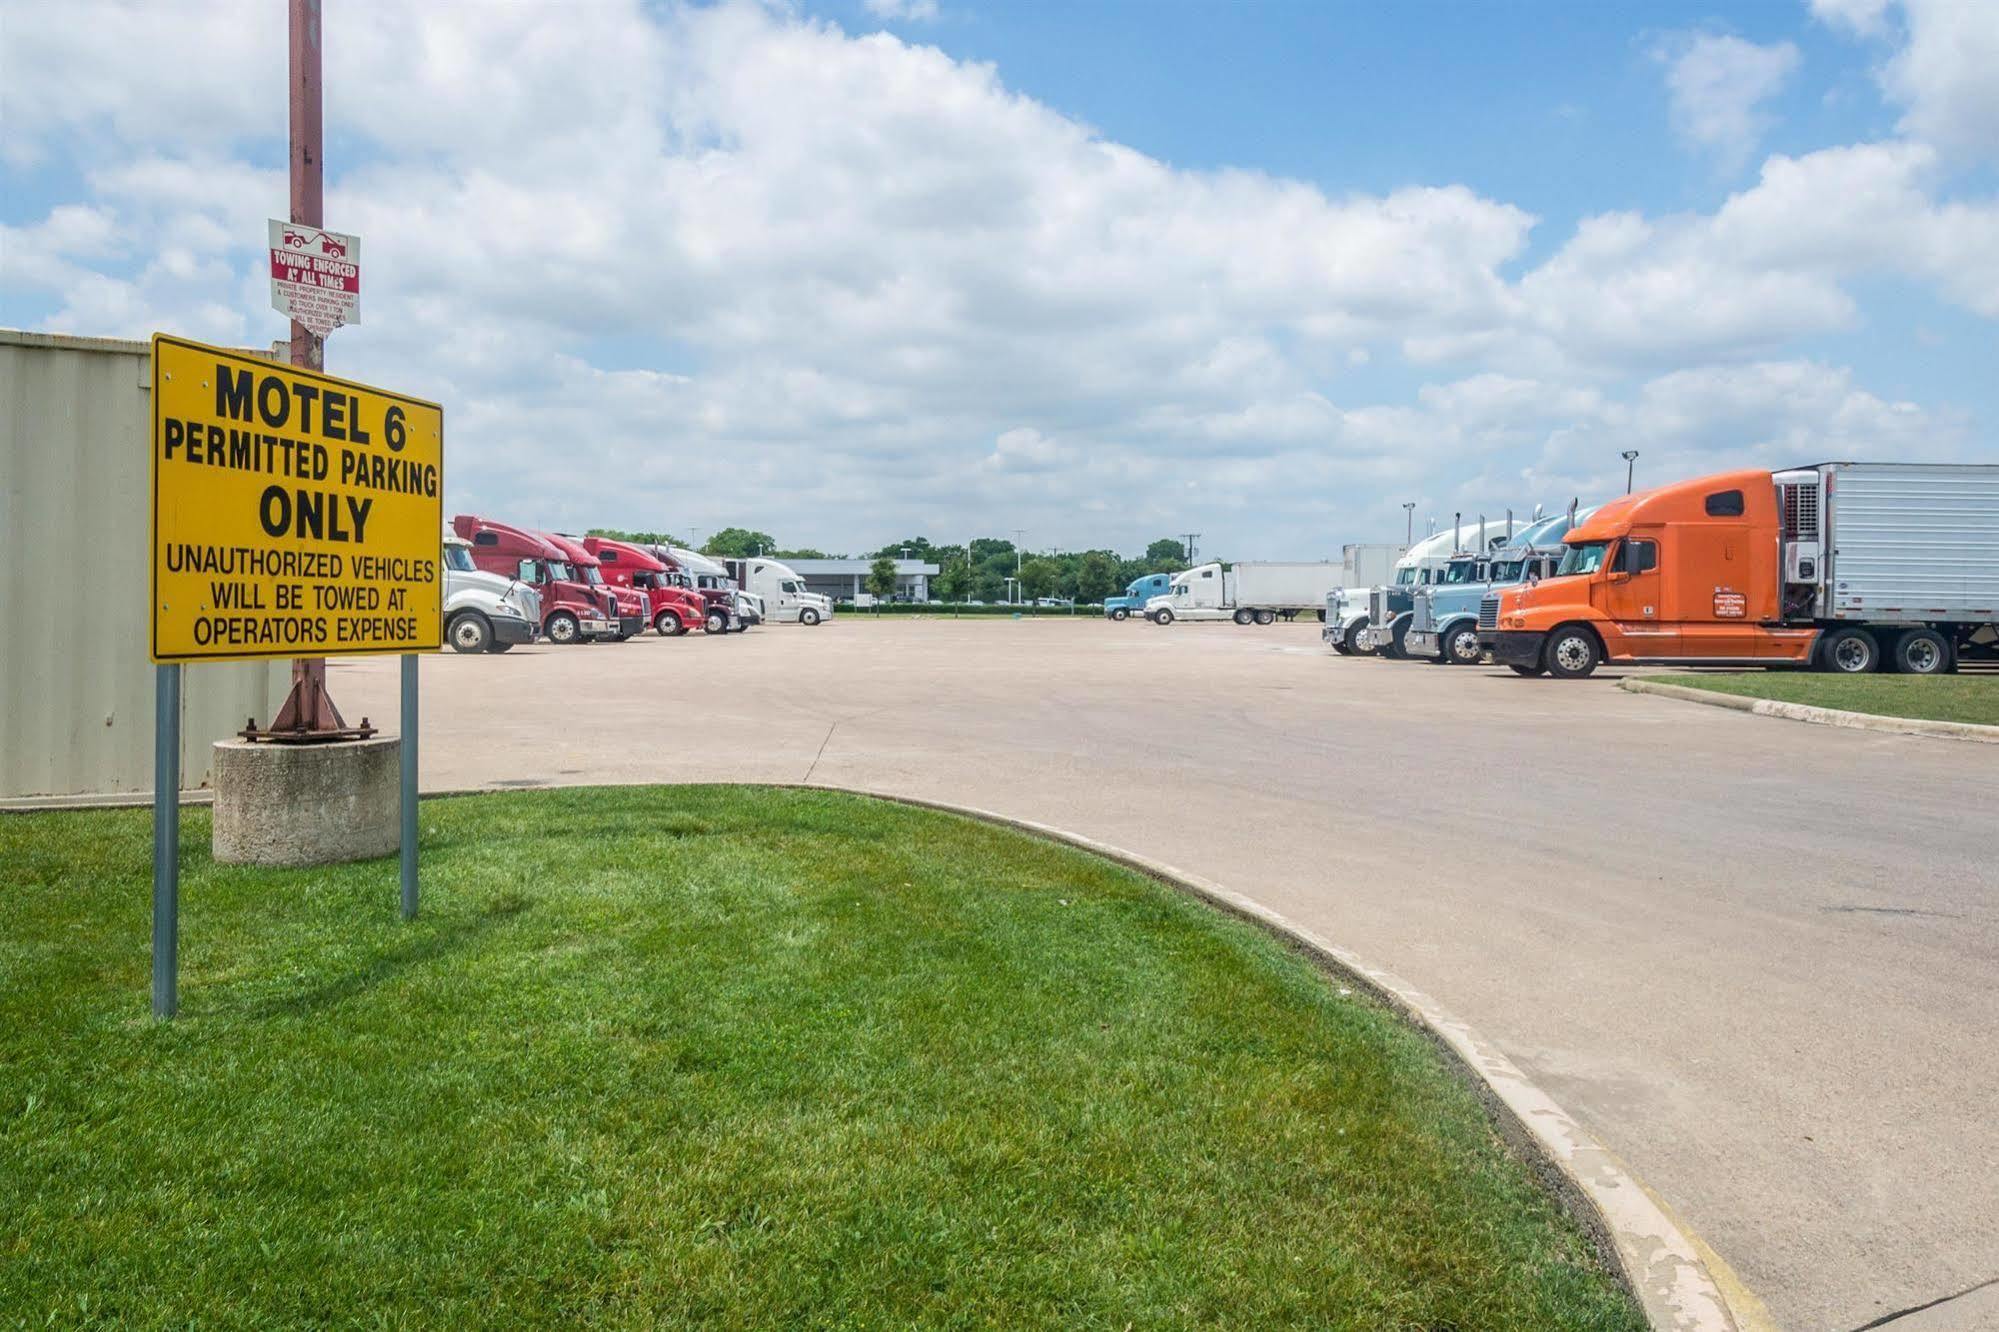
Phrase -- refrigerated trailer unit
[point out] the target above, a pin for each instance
(1844, 566)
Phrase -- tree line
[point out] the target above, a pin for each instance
(975, 574)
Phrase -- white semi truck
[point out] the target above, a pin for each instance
(782, 590)
(1259, 591)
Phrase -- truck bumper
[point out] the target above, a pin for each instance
(1513, 647)
(511, 631)
(1422, 643)
(630, 626)
(1375, 637)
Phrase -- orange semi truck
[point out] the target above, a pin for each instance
(1848, 567)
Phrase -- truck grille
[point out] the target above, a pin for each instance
(1488, 611)
(1420, 616)
(1377, 606)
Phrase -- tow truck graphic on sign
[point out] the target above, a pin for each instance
(315, 276)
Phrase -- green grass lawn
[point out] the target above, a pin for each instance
(655, 1057)
(1955, 698)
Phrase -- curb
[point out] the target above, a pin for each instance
(1661, 1262)
(1805, 712)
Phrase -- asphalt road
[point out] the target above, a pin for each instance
(1758, 959)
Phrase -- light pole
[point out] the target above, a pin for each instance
(1018, 533)
(1408, 523)
(1630, 465)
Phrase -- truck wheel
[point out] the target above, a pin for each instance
(718, 623)
(563, 628)
(501, 647)
(1322, 617)
(1572, 653)
(1921, 652)
(1266, 617)
(1398, 640)
(1849, 652)
(1339, 645)
(1529, 671)
(1242, 617)
(667, 625)
(469, 632)
(1120, 613)
(808, 617)
(1352, 639)
(1164, 616)
(1461, 646)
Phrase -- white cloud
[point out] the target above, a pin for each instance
(878, 292)
(1718, 84)
(1866, 17)
(913, 10)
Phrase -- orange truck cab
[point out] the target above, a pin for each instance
(1843, 566)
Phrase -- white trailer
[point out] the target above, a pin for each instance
(1250, 591)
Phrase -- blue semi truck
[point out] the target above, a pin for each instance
(1134, 598)
(1443, 622)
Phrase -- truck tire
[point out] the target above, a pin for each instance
(563, 629)
(1322, 617)
(1528, 671)
(1352, 639)
(1849, 652)
(1398, 640)
(1460, 647)
(718, 623)
(1921, 652)
(1266, 617)
(667, 625)
(808, 617)
(1571, 653)
(1121, 613)
(1164, 615)
(501, 647)
(469, 632)
(1242, 617)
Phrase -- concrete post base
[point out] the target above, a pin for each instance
(306, 804)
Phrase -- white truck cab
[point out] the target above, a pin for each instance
(484, 612)
(781, 591)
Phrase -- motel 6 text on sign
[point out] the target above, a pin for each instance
(294, 514)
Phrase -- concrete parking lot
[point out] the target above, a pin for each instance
(1756, 958)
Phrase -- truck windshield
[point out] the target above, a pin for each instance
(459, 558)
(1404, 577)
(561, 572)
(1461, 571)
(1583, 558)
(591, 576)
(1507, 571)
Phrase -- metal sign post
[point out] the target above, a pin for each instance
(409, 785)
(166, 839)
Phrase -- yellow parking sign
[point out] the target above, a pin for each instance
(294, 514)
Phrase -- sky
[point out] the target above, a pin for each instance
(855, 271)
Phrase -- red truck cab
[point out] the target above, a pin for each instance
(720, 603)
(628, 605)
(571, 610)
(673, 609)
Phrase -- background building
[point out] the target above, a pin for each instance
(844, 580)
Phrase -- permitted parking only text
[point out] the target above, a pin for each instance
(294, 514)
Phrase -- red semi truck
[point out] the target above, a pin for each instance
(628, 605)
(720, 601)
(674, 609)
(571, 610)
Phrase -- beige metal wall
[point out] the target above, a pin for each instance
(76, 688)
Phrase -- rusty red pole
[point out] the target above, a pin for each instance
(308, 709)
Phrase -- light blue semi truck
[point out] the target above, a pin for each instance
(1134, 598)
(1443, 621)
